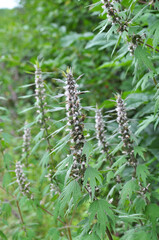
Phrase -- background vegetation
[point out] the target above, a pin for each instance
(84, 36)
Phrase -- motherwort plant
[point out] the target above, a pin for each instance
(75, 124)
(43, 118)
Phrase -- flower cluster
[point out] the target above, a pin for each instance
(75, 123)
(22, 181)
(26, 140)
(50, 176)
(124, 131)
(113, 15)
(100, 134)
(40, 95)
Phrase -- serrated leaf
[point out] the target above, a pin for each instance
(53, 234)
(141, 56)
(152, 211)
(45, 159)
(128, 189)
(140, 151)
(142, 173)
(145, 123)
(102, 209)
(156, 38)
(92, 175)
(87, 149)
(72, 189)
(6, 179)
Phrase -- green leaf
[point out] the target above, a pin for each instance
(3, 236)
(6, 179)
(139, 204)
(45, 159)
(142, 173)
(142, 57)
(145, 123)
(92, 175)
(53, 234)
(87, 149)
(156, 38)
(102, 209)
(70, 190)
(152, 211)
(140, 151)
(128, 189)
(7, 159)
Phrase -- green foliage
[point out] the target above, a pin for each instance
(115, 45)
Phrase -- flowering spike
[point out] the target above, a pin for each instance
(100, 134)
(26, 140)
(75, 122)
(124, 131)
(23, 181)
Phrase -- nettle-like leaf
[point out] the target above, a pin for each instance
(102, 211)
(145, 123)
(128, 189)
(136, 234)
(142, 57)
(140, 151)
(93, 177)
(53, 233)
(71, 190)
(142, 172)
(152, 212)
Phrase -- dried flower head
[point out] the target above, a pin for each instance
(100, 134)
(124, 131)
(22, 180)
(75, 122)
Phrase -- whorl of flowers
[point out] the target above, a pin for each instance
(26, 140)
(114, 18)
(112, 14)
(22, 180)
(100, 134)
(75, 122)
(124, 131)
(40, 95)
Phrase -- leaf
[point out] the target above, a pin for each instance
(140, 151)
(39, 136)
(7, 159)
(139, 204)
(87, 149)
(145, 123)
(141, 56)
(102, 209)
(53, 233)
(110, 175)
(6, 179)
(72, 189)
(92, 175)
(128, 189)
(27, 109)
(3, 236)
(152, 211)
(64, 163)
(45, 159)
(142, 173)
(156, 38)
